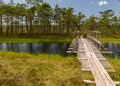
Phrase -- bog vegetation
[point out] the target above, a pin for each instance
(22, 69)
(36, 17)
(115, 62)
(46, 69)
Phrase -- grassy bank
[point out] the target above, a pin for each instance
(24, 69)
(115, 62)
(42, 70)
(36, 39)
(110, 40)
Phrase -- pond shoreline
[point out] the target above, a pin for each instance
(110, 40)
(36, 48)
(49, 39)
(44, 39)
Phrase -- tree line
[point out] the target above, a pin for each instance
(108, 24)
(36, 17)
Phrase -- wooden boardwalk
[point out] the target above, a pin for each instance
(92, 60)
(101, 76)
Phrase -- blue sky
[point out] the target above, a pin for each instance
(88, 7)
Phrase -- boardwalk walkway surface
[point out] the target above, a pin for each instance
(101, 76)
(92, 60)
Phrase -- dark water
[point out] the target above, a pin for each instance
(115, 48)
(51, 48)
(36, 48)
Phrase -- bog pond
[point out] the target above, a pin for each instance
(36, 48)
(51, 48)
(115, 48)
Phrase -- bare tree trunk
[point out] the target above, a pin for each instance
(22, 28)
(7, 29)
(27, 26)
(31, 29)
(11, 24)
(1, 24)
(17, 28)
(68, 28)
(44, 29)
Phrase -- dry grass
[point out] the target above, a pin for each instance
(21, 69)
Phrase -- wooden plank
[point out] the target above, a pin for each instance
(116, 82)
(85, 70)
(88, 81)
(82, 58)
(88, 70)
(73, 46)
(102, 60)
(95, 40)
(96, 31)
(108, 52)
(102, 78)
(71, 51)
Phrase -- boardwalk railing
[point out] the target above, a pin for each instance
(94, 37)
(96, 42)
(89, 54)
(93, 62)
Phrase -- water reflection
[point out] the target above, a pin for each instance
(35, 48)
(115, 48)
(51, 48)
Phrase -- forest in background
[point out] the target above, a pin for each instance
(38, 18)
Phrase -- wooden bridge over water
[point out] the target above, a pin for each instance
(89, 54)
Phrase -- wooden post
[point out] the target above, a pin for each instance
(78, 34)
(94, 38)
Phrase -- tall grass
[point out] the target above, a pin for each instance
(23, 69)
(115, 62)
(41, 70)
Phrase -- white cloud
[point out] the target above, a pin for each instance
(102, 3)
